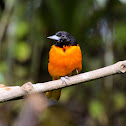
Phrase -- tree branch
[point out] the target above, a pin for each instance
(14, 92)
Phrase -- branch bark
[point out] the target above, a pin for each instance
(15, 92)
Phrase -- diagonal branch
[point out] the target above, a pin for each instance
(16, 92)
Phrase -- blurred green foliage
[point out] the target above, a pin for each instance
(22, 51)
(98, 26)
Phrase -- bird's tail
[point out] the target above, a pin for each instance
(55, 94)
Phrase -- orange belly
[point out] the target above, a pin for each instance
(62, 61)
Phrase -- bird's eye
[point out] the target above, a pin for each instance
(59, 34)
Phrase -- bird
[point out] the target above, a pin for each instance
(65, 59)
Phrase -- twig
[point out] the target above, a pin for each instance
(14, 92)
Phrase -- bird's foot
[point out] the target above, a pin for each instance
(77, 71)
(64, 79)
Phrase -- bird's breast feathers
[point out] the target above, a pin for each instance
(62, 61)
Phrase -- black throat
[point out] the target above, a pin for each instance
(61, 44)
(66, 42)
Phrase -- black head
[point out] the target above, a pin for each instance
(63, 38)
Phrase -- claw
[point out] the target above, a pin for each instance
(64, 79)
(77, 71)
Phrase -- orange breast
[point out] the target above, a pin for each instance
(62, 61)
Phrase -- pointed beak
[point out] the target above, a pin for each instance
(54, 37)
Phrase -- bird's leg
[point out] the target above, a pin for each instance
(64, 79)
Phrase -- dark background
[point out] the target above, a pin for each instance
(99, 27)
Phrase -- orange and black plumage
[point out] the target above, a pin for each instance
(65, 58)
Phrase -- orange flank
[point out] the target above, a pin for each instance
(62, 61)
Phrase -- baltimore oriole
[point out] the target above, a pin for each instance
(65, 59)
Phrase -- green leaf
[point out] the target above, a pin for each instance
(96, 109)
(22, 51)
(119, 101)
(21, 29)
